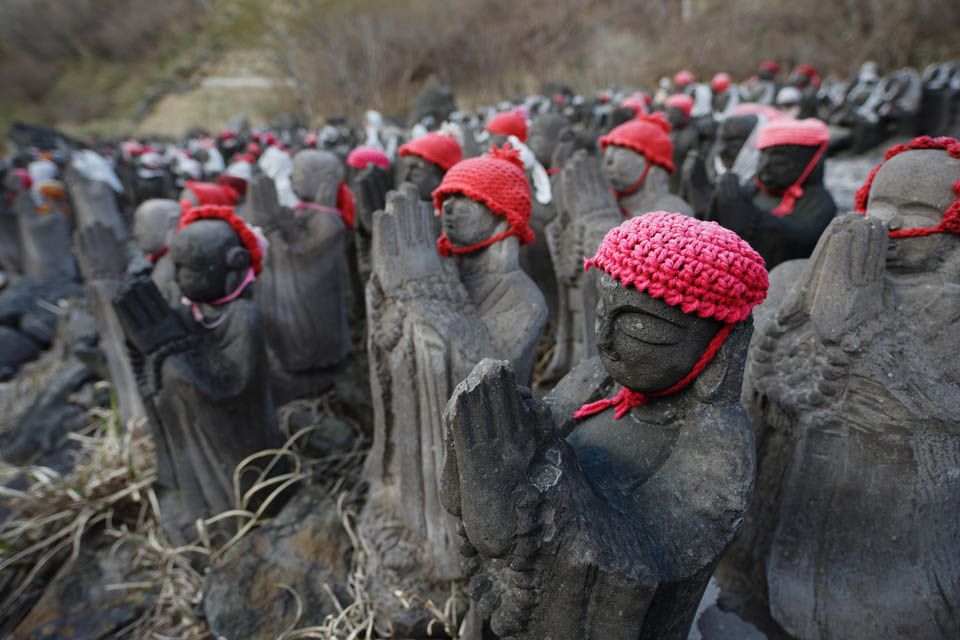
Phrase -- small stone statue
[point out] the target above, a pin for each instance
(202, 369)
(699, 174)
(852, 388)
(44, 225)
(544, 134)
(637, 156)
(763, 88)
(303, 287)
(506, 124)
(724, 98)
(432, 316)
(426, 159)
(433, 105)
(683, 133)
(154, 223)
(591, 516)
(784, 211)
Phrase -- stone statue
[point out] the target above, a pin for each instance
(763, 87)
(103, 265)
(699, 174)
(543, 135)
(302, 290)
(724, 97)
(424, 161)
(584, 517)
(370, 187)
(154, 223)
(784, 211)
(44, 225)
(433, 105)
(506, 124)
(202, 369)
(683, 132)
(432, 316)
(637, 158)
(852, 389)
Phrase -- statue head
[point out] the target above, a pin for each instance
(154, 222)
(505, 124)
(543, 134)
(914, 192)
(790, 151)
(632, 148)
(671, 289)
(677, 110)
(214, 253)
(316, 176)
(768, 70)
(488, 199)
(424, 161)
(733, 133)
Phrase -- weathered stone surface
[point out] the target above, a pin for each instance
(304, 547)
(16, 348)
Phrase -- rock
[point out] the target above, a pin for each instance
(304, 547)
(15, 349)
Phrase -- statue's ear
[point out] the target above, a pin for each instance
(238, 258)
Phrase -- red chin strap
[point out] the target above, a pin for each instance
(794, 192)
(631, 190)
(446, 249)
(156, 255)
(627, 399)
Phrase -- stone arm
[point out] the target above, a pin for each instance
(263, 208)
(532, 522)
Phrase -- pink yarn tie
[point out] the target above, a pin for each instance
(195, 307)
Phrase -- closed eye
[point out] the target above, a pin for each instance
(649, 329)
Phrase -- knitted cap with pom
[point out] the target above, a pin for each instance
(680, 101)
(360, 157)
(436, 148)
(497, 180)
(950, 223)
(648, 135)
(698, 266)
(508, 123)
(787, 131)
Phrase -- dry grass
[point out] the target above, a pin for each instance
(110, 492)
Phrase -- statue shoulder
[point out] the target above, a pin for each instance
(586, 382)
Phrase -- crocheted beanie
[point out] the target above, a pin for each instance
(771, 66)
(787, 131)
(437, 148)
(497, 180)
(648, 135)
(360, 157)
(950, 223)
(680, 101)
(698, 266)
(720, 82)
(508, 123)
(251, 243)
(211, 193)
(683, 78)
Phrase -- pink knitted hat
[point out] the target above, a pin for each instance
(698, 266)
(508, 123)
(648, 135)
(807, 133)
(680, 101)
(437, 148)
(497, 180)
(720, 82)
(951, 217)
(360, 157)
(683, 78)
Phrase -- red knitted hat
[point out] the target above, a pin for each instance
(720, 82)
(437, 148)
(698, 266)
(681, 101)
(211, 193)
(497, 180)
(808, 133)
(951, 217)
(683, 78)
(360, 157)
(508, 123)
(189, 215)
(770, 66)
(648, 135)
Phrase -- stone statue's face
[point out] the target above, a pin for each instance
(542, 136)
(468, 222)
(622, 167)
(316, 176)
(645, 344)
(675, 117)
(426, 175)
(153, 222)
(733, 134)
(201, 255)
(779, 167)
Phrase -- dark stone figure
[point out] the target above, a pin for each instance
(424, 161)
(303, 287)
(784, 211)
(203, 375)
(543, 135)
(432, 318)
(852, 388)
(699, 174)
(433, 105)
(592, 518)
(154, 223)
